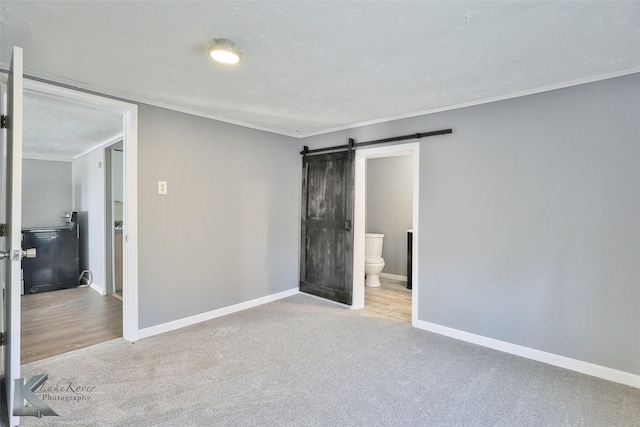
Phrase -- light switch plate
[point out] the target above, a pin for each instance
(162, 187)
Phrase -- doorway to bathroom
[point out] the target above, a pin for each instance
(386, 202)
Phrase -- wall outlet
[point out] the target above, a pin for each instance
(162, 187)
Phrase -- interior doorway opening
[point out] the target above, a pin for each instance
(362, 155)
(128, 224)
(114, 207)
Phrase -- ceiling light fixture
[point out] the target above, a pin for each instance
(223, 50)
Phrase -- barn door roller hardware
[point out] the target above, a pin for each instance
(352, 145)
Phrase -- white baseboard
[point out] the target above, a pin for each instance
(202, 317)
(541, 356)
(393, 277)
(99, 289)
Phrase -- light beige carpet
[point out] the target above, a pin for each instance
(304, 362)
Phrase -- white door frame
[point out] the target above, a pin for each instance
(12, 182)
(359, 218)
(130, 231)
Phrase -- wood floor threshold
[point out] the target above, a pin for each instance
(57, 322)
(392, 299)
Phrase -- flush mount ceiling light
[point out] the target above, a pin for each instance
(223, 50)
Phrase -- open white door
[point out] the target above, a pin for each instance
(11, 245)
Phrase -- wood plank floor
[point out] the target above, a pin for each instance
(60, 321)
(391, 299)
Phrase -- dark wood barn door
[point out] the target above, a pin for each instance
(326, 261)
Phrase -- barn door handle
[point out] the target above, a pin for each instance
(347, 225)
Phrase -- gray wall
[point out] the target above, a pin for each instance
(90, 202)
(117, 185)
(529, 219)
(46, 192)
(390, 208)
(228, 229)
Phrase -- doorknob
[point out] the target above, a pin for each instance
(17, 254)
(28, 253)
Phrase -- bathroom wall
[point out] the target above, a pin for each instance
(46, 192)
(390, 208)
(528, 224)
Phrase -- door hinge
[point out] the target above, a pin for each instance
(3, 230)
(1, 339)
(4, 120)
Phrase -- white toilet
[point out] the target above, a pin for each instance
(373, 261)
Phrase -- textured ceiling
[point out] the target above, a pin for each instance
(311, 67)
(63, 130)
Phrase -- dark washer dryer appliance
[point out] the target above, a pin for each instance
(56, 265)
